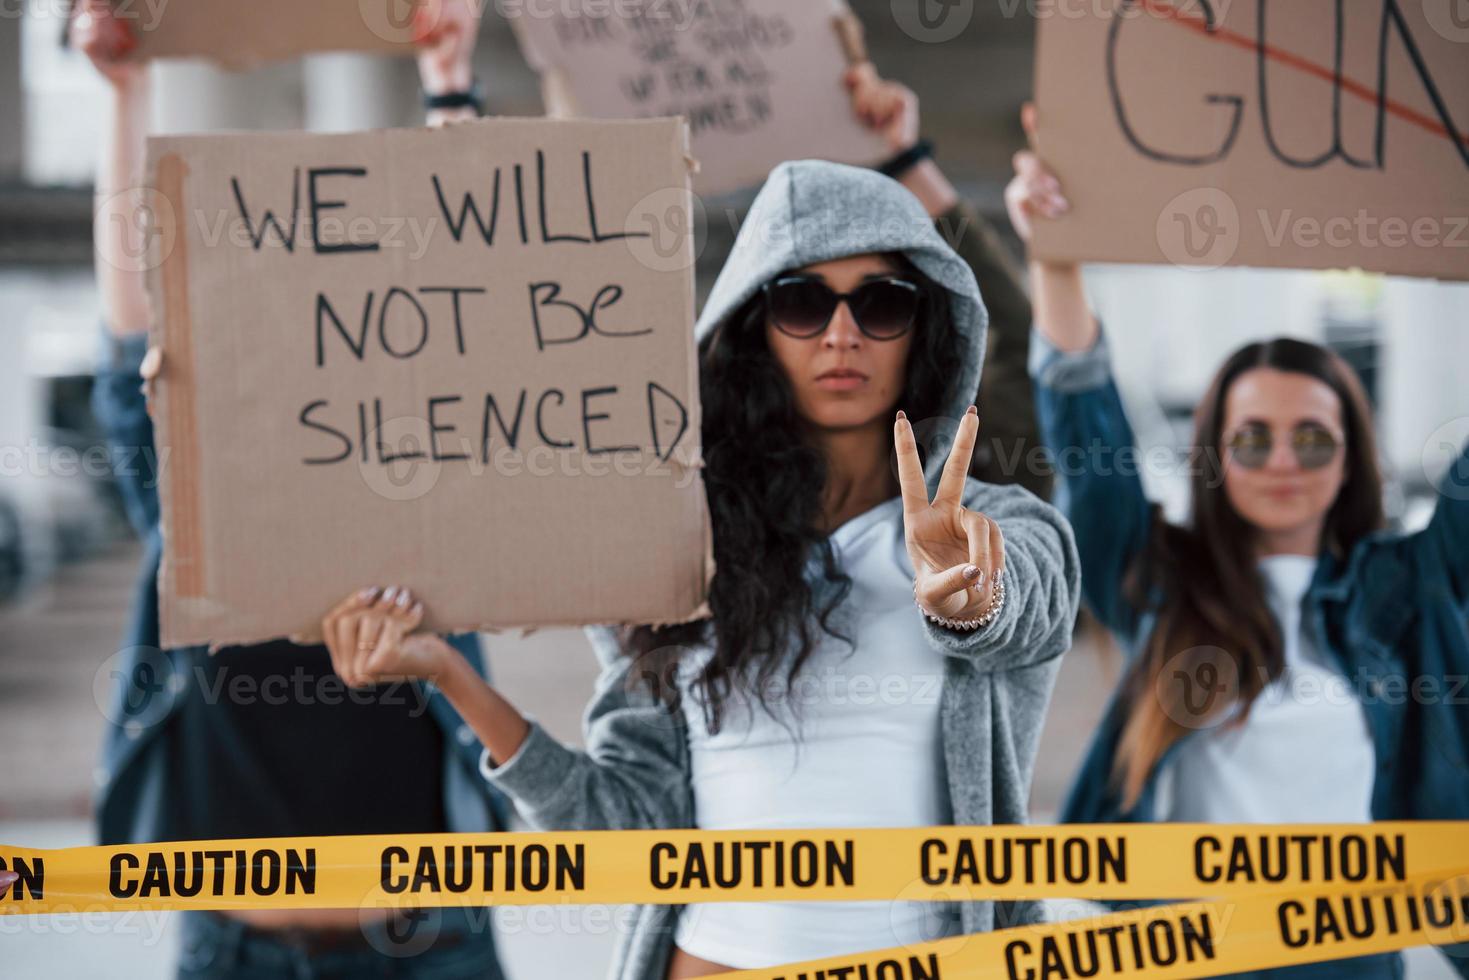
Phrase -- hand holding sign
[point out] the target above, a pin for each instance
(370, 635)
(886, 107)
(1034, 190)
(372, 639)
(444, 32)
(1061, 312)
(954, 550)
(97, 32)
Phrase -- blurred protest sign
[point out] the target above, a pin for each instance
(1307, 134)
(456, 360)
(760, 81)
(242, 35)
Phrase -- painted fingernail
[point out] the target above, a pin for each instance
(979, 580)
(971, 572)
(402, 599)
(390, 593)
(418, 609)
(366, 594)
(902, 414)
(971, 411)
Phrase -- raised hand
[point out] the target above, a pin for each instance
(957, 553)
(97, 32)
(444, 32)
(1034, 190)
(888, 108)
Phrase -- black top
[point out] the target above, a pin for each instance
(274, 744)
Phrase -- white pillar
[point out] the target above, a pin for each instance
(346, 91)
(197, 97)
(1425, 401)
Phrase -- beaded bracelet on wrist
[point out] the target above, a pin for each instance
(996, 604)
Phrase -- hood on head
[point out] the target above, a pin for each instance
(812, 211)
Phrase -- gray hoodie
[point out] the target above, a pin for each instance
(634, 773)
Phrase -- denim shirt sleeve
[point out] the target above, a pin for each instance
(1096, 462)
(1444, 544)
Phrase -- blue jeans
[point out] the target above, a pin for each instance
(122, 412)
(435, 944)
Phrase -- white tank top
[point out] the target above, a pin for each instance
(1304, 754)
(870, 754)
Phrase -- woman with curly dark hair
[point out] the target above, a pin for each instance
(860, 631)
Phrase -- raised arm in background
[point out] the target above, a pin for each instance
(121, 218)
(1081, 415)
(1007, 452)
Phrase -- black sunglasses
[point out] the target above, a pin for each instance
(1313, 445)
(802, 306)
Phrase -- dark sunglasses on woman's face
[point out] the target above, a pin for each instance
(1314, 445)
(802, 306)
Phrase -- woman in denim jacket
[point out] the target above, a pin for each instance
(1290, 661)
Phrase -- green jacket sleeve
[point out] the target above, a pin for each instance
(1009, 448)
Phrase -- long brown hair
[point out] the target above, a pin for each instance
(1214, 626)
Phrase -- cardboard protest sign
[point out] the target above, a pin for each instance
(242, 35)
(1309, 134)
(760, 81)
(456, 360)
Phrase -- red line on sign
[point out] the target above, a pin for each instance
(1166, 10)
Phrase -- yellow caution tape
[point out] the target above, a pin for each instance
(1198, 939)
(950, 863)
(1279, 895)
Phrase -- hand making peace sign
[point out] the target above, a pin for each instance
(957, 554)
